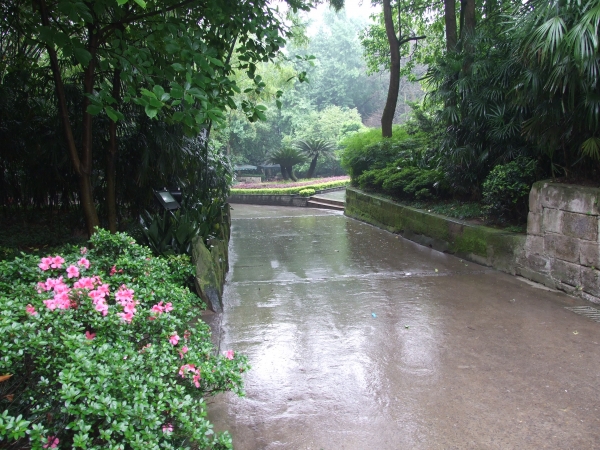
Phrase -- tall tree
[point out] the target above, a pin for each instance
(171, 57)
(395, 43)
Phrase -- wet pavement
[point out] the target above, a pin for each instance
(359, 339)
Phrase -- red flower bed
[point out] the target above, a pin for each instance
(274, 184)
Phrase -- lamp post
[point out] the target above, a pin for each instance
(166, 200)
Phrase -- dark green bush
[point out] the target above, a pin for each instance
(413, 183)
(506, 190)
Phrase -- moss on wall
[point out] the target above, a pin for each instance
(480, 244)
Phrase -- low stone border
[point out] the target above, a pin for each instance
(480, 244)
(276, 200)
(271, 200)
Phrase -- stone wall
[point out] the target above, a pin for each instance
(483, 245)
(212, 264)
(272, 200)
(562, 249)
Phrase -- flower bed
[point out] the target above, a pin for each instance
(279, 188)
(98, 351)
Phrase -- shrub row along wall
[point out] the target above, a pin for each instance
(212, 264)
(561, 249)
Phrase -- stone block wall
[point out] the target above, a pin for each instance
(562, 249)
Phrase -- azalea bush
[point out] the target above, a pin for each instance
(102, 349)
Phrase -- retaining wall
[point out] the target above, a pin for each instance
(272, 200)
(484, 245)
(212, 264)
(561, 249)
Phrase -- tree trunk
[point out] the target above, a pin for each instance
(111, 154)
(450, 20)
(87, 194)
(83, 166)
(312, 167)
(290, 171)
(392, 98)
(283, 171)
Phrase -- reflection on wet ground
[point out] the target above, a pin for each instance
(359, 339)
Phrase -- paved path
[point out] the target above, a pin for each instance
(359, 339)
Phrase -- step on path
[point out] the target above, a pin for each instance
(325, 203)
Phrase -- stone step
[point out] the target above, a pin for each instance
(328, 201)
(339, 206)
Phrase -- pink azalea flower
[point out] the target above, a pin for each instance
(186, 368)
(158, 308)
(51, 443)
(228, 354)
(124, 295)
(31, 310)
(168, 307)
(45, 263)
(57, 262)
(84, 283)
(84, 262)
(196, 379)
(167, 428)
(83, 250)
(174, 339)
(113, 270)
(101, 306)
(183, 351)
(89, 336)
(126, 316)
(72, 271)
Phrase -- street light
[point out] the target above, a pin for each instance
(167, 201)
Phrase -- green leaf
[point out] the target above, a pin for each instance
(178, 67)
(82, 55)
(216, 62)
(158, 91)
(94, 109)
(111, 113)
(150, 111)
(142, 3)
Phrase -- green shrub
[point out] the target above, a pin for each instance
(506, 190)
(307, 192)
(105, 351)
(369, 150)
(408, 183)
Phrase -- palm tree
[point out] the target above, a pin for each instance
(313, 148)
(286, 158)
